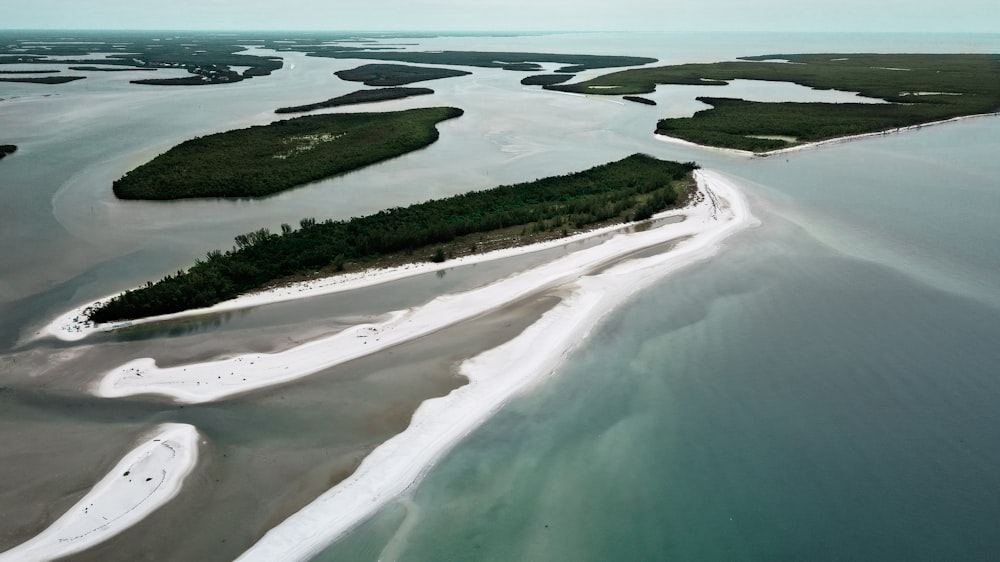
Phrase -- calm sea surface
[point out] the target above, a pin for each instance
(825, 388)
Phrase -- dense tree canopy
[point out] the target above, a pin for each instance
(630, 189)
(262, 160)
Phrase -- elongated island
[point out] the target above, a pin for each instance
(630, 189)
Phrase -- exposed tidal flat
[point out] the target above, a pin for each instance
(823, 389)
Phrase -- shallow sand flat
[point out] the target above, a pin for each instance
(145, 479)
(210, 381)
(440, 423)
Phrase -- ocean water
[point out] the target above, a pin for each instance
(824, 388)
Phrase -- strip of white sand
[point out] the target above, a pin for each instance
(811, 145)
(214, 380)
(499, 374)
(73, 325)
(145, 479)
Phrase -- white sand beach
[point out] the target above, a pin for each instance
(499, 374)
(215, 380)
(145, 479)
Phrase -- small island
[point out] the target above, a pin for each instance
(6, 149)
(43, 79)
(639, 99)
(918, 89)
(266, 159)
(630, 189)
(396, 74)
(545, 79)
(359, 97)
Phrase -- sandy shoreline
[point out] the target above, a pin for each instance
(146, 478)
(440, 423)
(215, 380)
(72, 325)
(811, 145)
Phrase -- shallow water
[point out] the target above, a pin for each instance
(825, 382)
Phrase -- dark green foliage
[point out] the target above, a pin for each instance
(731, 122)
(44, 80)
(637, 186)
(395, 74)
(267, 159)
(6, 149)
(639, 99)
(105, 69)
(545, 79)
(32, 71)
(920, 89)
(360, 96)
(208, 57)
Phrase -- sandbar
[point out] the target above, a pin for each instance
(146, 478)
(215, 380)
(505, 371)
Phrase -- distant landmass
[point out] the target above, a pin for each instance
(920, 89)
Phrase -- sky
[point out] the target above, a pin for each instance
(508, 15)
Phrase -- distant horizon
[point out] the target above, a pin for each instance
(778, 16)
(496, 32)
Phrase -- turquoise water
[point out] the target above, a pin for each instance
(825, 389)
(822, 389)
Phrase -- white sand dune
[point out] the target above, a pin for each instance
(499, 374)
(145, 479)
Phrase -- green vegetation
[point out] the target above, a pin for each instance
(630, 189)
(360, 96)
(207, 57)
(639, 99)
(44, 79)
(6, 149)
(395, 74)
(545, 79)
(266, 159)
(29, 71)
(105, 69)
(919, 88)
(508, 61)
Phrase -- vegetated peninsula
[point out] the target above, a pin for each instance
(395, 74)
(6, 149)
(358, 97)
(633, 188)
(919, 88)
(266, 159)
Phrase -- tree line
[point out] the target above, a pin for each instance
(633, 188)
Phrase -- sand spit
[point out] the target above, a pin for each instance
(146, 478)
(811, 145)
(74, 326)
(214, 380)
(440, 423)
